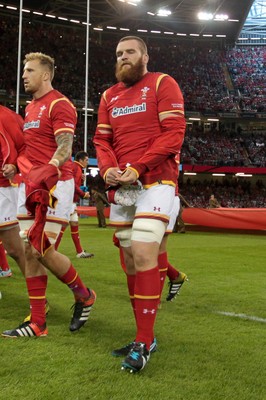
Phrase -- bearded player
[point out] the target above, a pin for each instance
(140, 130)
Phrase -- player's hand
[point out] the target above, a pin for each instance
(9, 171)
(112, 175)
(127, 177)
(86, 195)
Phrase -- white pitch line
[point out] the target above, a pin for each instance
(242, 316)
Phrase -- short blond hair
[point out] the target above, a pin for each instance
(44, 59)
(142, 44)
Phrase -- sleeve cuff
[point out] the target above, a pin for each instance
(138, 168)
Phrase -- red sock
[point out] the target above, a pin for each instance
(131, 289)
(73, 281)
(147, 295)
(3, 260)
(163, 267)
(59, 237)
(75, 237)
(122, 261)
(172, 273)
(36, 289)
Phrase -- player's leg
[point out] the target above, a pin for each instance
(14, 246)
(60, 265)
(74, 229)
(147, 234)
(5, 270)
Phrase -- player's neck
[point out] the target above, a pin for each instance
(42, 91)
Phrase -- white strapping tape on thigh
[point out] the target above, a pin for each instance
(148, 230)
(52, 230)
(74, 217)
(124, 236)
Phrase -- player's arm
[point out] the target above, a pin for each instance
(64, 149)
(102, 141)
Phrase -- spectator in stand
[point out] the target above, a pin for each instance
(213, 202)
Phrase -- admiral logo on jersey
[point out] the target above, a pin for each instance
(120, 111)
(31, 124)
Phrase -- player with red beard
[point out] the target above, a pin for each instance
(140, 130)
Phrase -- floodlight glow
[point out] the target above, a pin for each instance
(218, 174)
(11, 8)
(63, 18)
(37, 13)
(93, 171)
(124, 29)
(142, 30)
(111, 27)
(233, 20)
(181, 34)
(168, 33)
(221, 17)
(50, 16)
(98, 29)
(242, 175)
(163, 13)
(205, 16)
(132, 4)
(194, 34)
(75, 21)
(190, 173)
(150, 13)
(26, 11)
(155, 31)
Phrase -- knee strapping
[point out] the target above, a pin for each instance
(148, 230)
(124, 237)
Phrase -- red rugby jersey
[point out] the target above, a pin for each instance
(77, 174)
(134, 134)
(11, 140)
(46, 118)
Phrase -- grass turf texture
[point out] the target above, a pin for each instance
(202, 355)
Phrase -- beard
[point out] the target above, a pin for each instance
(131, 75)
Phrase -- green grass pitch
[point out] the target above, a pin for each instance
(211, 339)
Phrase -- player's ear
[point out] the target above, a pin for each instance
(146, 58)
(46, 76)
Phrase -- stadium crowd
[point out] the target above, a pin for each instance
(224, 148)
(231, 193)
(211, 79)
